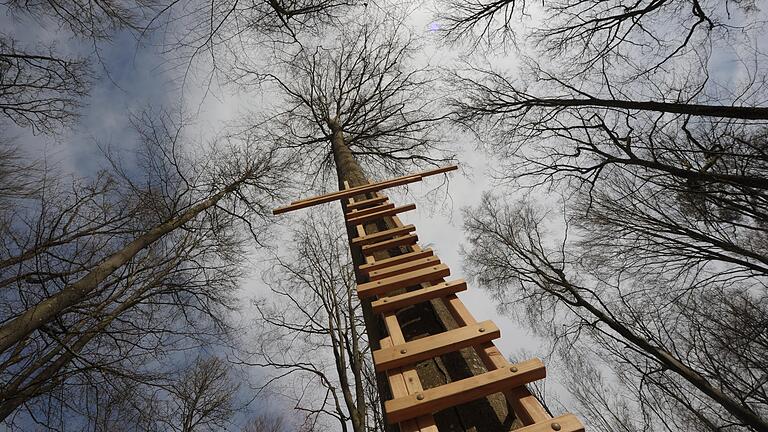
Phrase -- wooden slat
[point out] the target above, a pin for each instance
(382, 235)
(432, 346)
(394, 303)
(401, 281)
(403, 268)
(380, 214)
(401, 383)
(391, 243)
(348, 193)
(367, 202)
(463, 391)
(386, 262)
(368, 211)
(563, 423)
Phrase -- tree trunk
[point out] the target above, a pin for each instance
(668, 360)
(47, 310)
(487, 414)
(736, 112)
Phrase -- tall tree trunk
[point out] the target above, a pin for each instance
(736, 112)
(47, 310)
(488, 414)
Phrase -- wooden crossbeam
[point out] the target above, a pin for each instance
(393, 303)
(386, 262)
(380, 214)
(564, 423)
(435, 345)
(391, 243)
(370, 210)
(403, 268)
(382, 235)
(382, 286)
(463, 391)
(372, 187)
(366, 203)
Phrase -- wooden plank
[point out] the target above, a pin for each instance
(382, 235)
(401, 281)
(401, 383)
(367, 202)
(563, 423)
(526, 406)
(463, 391)
(403, 268)
(380, 214)
(391, 243)
(436, 345)
(368, 211)
(348, 193)
(386, 262)
(397, 302)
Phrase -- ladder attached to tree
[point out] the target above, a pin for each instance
(414, 275)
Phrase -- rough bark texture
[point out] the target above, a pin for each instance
(485, 415)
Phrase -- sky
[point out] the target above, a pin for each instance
(137, 75)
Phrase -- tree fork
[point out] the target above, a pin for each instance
(484, 415)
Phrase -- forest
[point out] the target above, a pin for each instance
(610, 210)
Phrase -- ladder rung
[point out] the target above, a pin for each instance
(390, 304)
(463, 391)
(403, 268)
(564, 423)
(378, 236)
(436, 345)
(382, 286)
(356, 213)
(363, 203)
(409, 239)
(384, 213)
(386, 262)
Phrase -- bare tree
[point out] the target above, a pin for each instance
(311, 324)
(363, 91)
(40, 89)
(647, 319)
(270, 422)
(112, 302)
(203, 398)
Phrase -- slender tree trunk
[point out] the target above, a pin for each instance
(349, 170)
(736, 112)
(737, 409)
(44, 312)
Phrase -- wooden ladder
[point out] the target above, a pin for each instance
(414, 275)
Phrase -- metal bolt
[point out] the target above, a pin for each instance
(403, 351)
(556, 426)
(513, 368)
(481, 329)
(420, 396)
